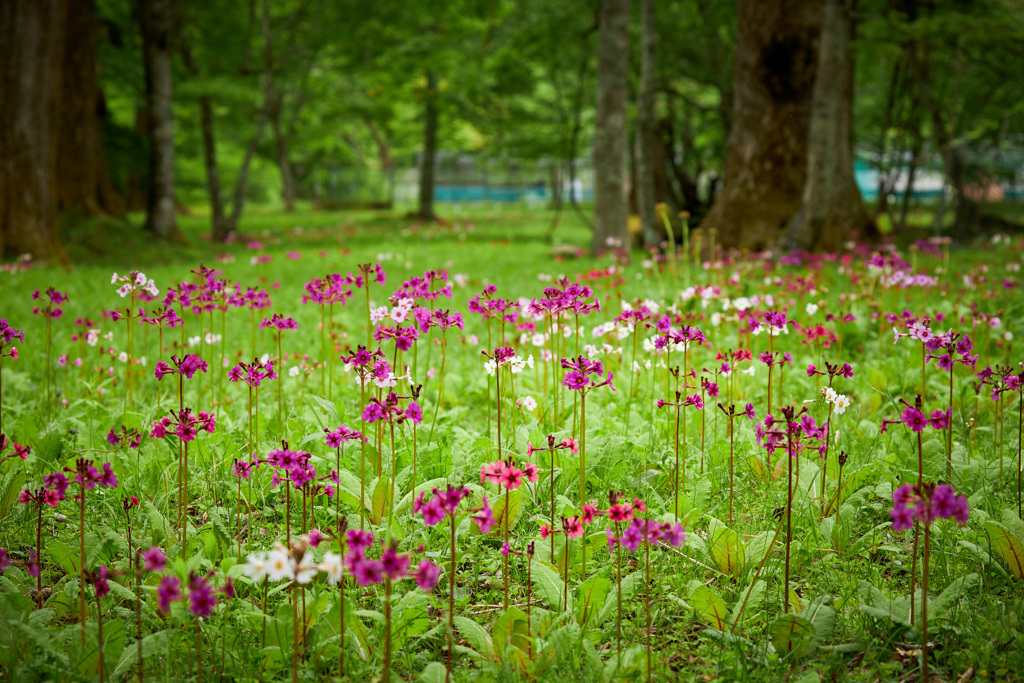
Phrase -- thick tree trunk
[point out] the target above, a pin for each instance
(766, 151)
(32, 36)
(646, 139)
(426, 208)
(83, 184)
(156, 18)
(611, 215)
(831, 209)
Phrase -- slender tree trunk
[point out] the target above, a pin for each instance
(647, 129)
(32, 34)
(218, 227)
(426, 209)
(156, 18)
(83, 184)
(885, 183)
(611, 218)
(915, 152)
(831, 208)
(283, 162)
(766, 151)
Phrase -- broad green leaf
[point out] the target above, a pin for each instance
(726, 550)
(822, 615)
(749, 600)
(590, 597)
(381, 498)
(875, 604)
(476, 636)
(710, 607)
(631, 583)
(949, 597)
(793, 634)
(515, 506)
(549, 586)
(1007, 546)
(153, 645)
(433, 673)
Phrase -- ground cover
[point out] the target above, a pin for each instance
(624, 490)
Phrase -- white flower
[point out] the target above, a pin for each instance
(529, 404)
(489, 367)
(293, 371)
(378, 314)
(840, 404)
(811, 309)
(256, 566)
(749, 371)
(123, 357)
(278, 565)
(124, 290)
(305, 569)
(537, 339)
(92, 337)
(333, 567)
(140, 279)
(829, 394)
(114, 278)
(194, 341)
(264, 358)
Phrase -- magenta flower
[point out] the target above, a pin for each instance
(201, 598)
(914, 419)
(155, 560)
(367, 572)
(167, 592)
(426, 575)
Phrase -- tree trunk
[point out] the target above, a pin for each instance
(426, 210)
(156, 18)
(283, 162)
(766, 151)
(32, 36)
(218, 228)
(611, 215)
(885, 181)
(831, 209)
(646, 130)
(83, 183)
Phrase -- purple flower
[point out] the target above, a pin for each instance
(749, 411)
(201, 598)
(902, 517)
(367, 572)
(915, 419)
(155, 560)
(426, 575)
(167, 592)
(108, 478)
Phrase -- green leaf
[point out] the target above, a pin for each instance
(726, 550)
(1007, 546)
(515, 506)
(433, 673)
(327, 407)
(381, 498)
(752, 595)
(954, 591)
(153, 645)
(630, 584)
(822, 615)
(710, 607)
(590, 597)
(549, 585)
(875, 604)
(476, 636)
(793, 634)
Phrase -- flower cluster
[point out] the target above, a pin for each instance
(187, 366)
(252, 373)
(7, 336)
(87, 476)
(133, 282)
(186, 426)
(52, 307)
(926, 503)
(581, 370)
(647, 531)
(440, 505)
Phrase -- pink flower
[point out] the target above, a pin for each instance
(155, 560)
(426, 575)
(167, 592)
